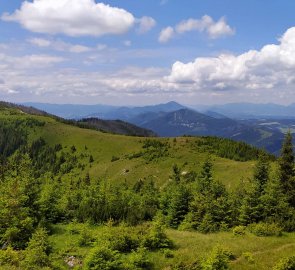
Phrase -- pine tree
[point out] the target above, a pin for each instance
(36, 254)
(206, 178)
(287, 172)
(261, 172)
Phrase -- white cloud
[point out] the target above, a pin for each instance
(146, 24)
(32, 61)
(272, 67)
(73, 18)
(62, 46)
(166, 34)
(40, 42)
(206, 24)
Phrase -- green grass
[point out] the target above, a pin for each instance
(192, 246)
(104, 146)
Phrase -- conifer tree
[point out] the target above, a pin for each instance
(261, 172)
(287, 172)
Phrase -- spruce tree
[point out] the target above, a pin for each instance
(261, 172)
(287, 172)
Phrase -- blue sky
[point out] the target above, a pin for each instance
(144, 52)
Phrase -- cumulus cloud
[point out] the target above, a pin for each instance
(146, 24)
(214, 29)
(272, 67)
(73, 18)
(206, 24)
(166, 34)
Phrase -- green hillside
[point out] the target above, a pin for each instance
(93, 200)
(115, 156)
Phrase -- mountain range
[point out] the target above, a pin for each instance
(262, 125)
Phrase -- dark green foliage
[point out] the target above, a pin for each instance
(261, 172)
(210, 209)
(265, 229)
(101, 201)
(155, 149)
(37, 251)
(287, 173)
(12, 137)
(227, 148)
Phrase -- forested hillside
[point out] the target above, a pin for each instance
(73, 197)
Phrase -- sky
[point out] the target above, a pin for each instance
(146, 52)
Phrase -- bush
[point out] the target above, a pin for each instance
(239, 230)
(157, 238)
(86, 238)
(139, 260)
(249, 257)
(9, 257)
(123, 240)
(168, 253)
(286, 264)
(218, 259)
(265, 229)
(102, 257)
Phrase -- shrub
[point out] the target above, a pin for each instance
(9, 257)
(86, 238)
(285, 264)
(249, 257)
(157, 238)
(74, 227)
(139, 260)
(168, 253)
(239, 230)
(265, 229)
(123, 240)
(218, 259)
(102, 257)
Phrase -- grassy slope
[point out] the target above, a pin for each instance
(192, 246)
(104, 146)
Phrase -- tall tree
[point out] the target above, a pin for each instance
(287, 172)
(261, 172)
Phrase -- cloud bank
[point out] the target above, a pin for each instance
(271, 67)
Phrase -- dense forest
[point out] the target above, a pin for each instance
(36, 200)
